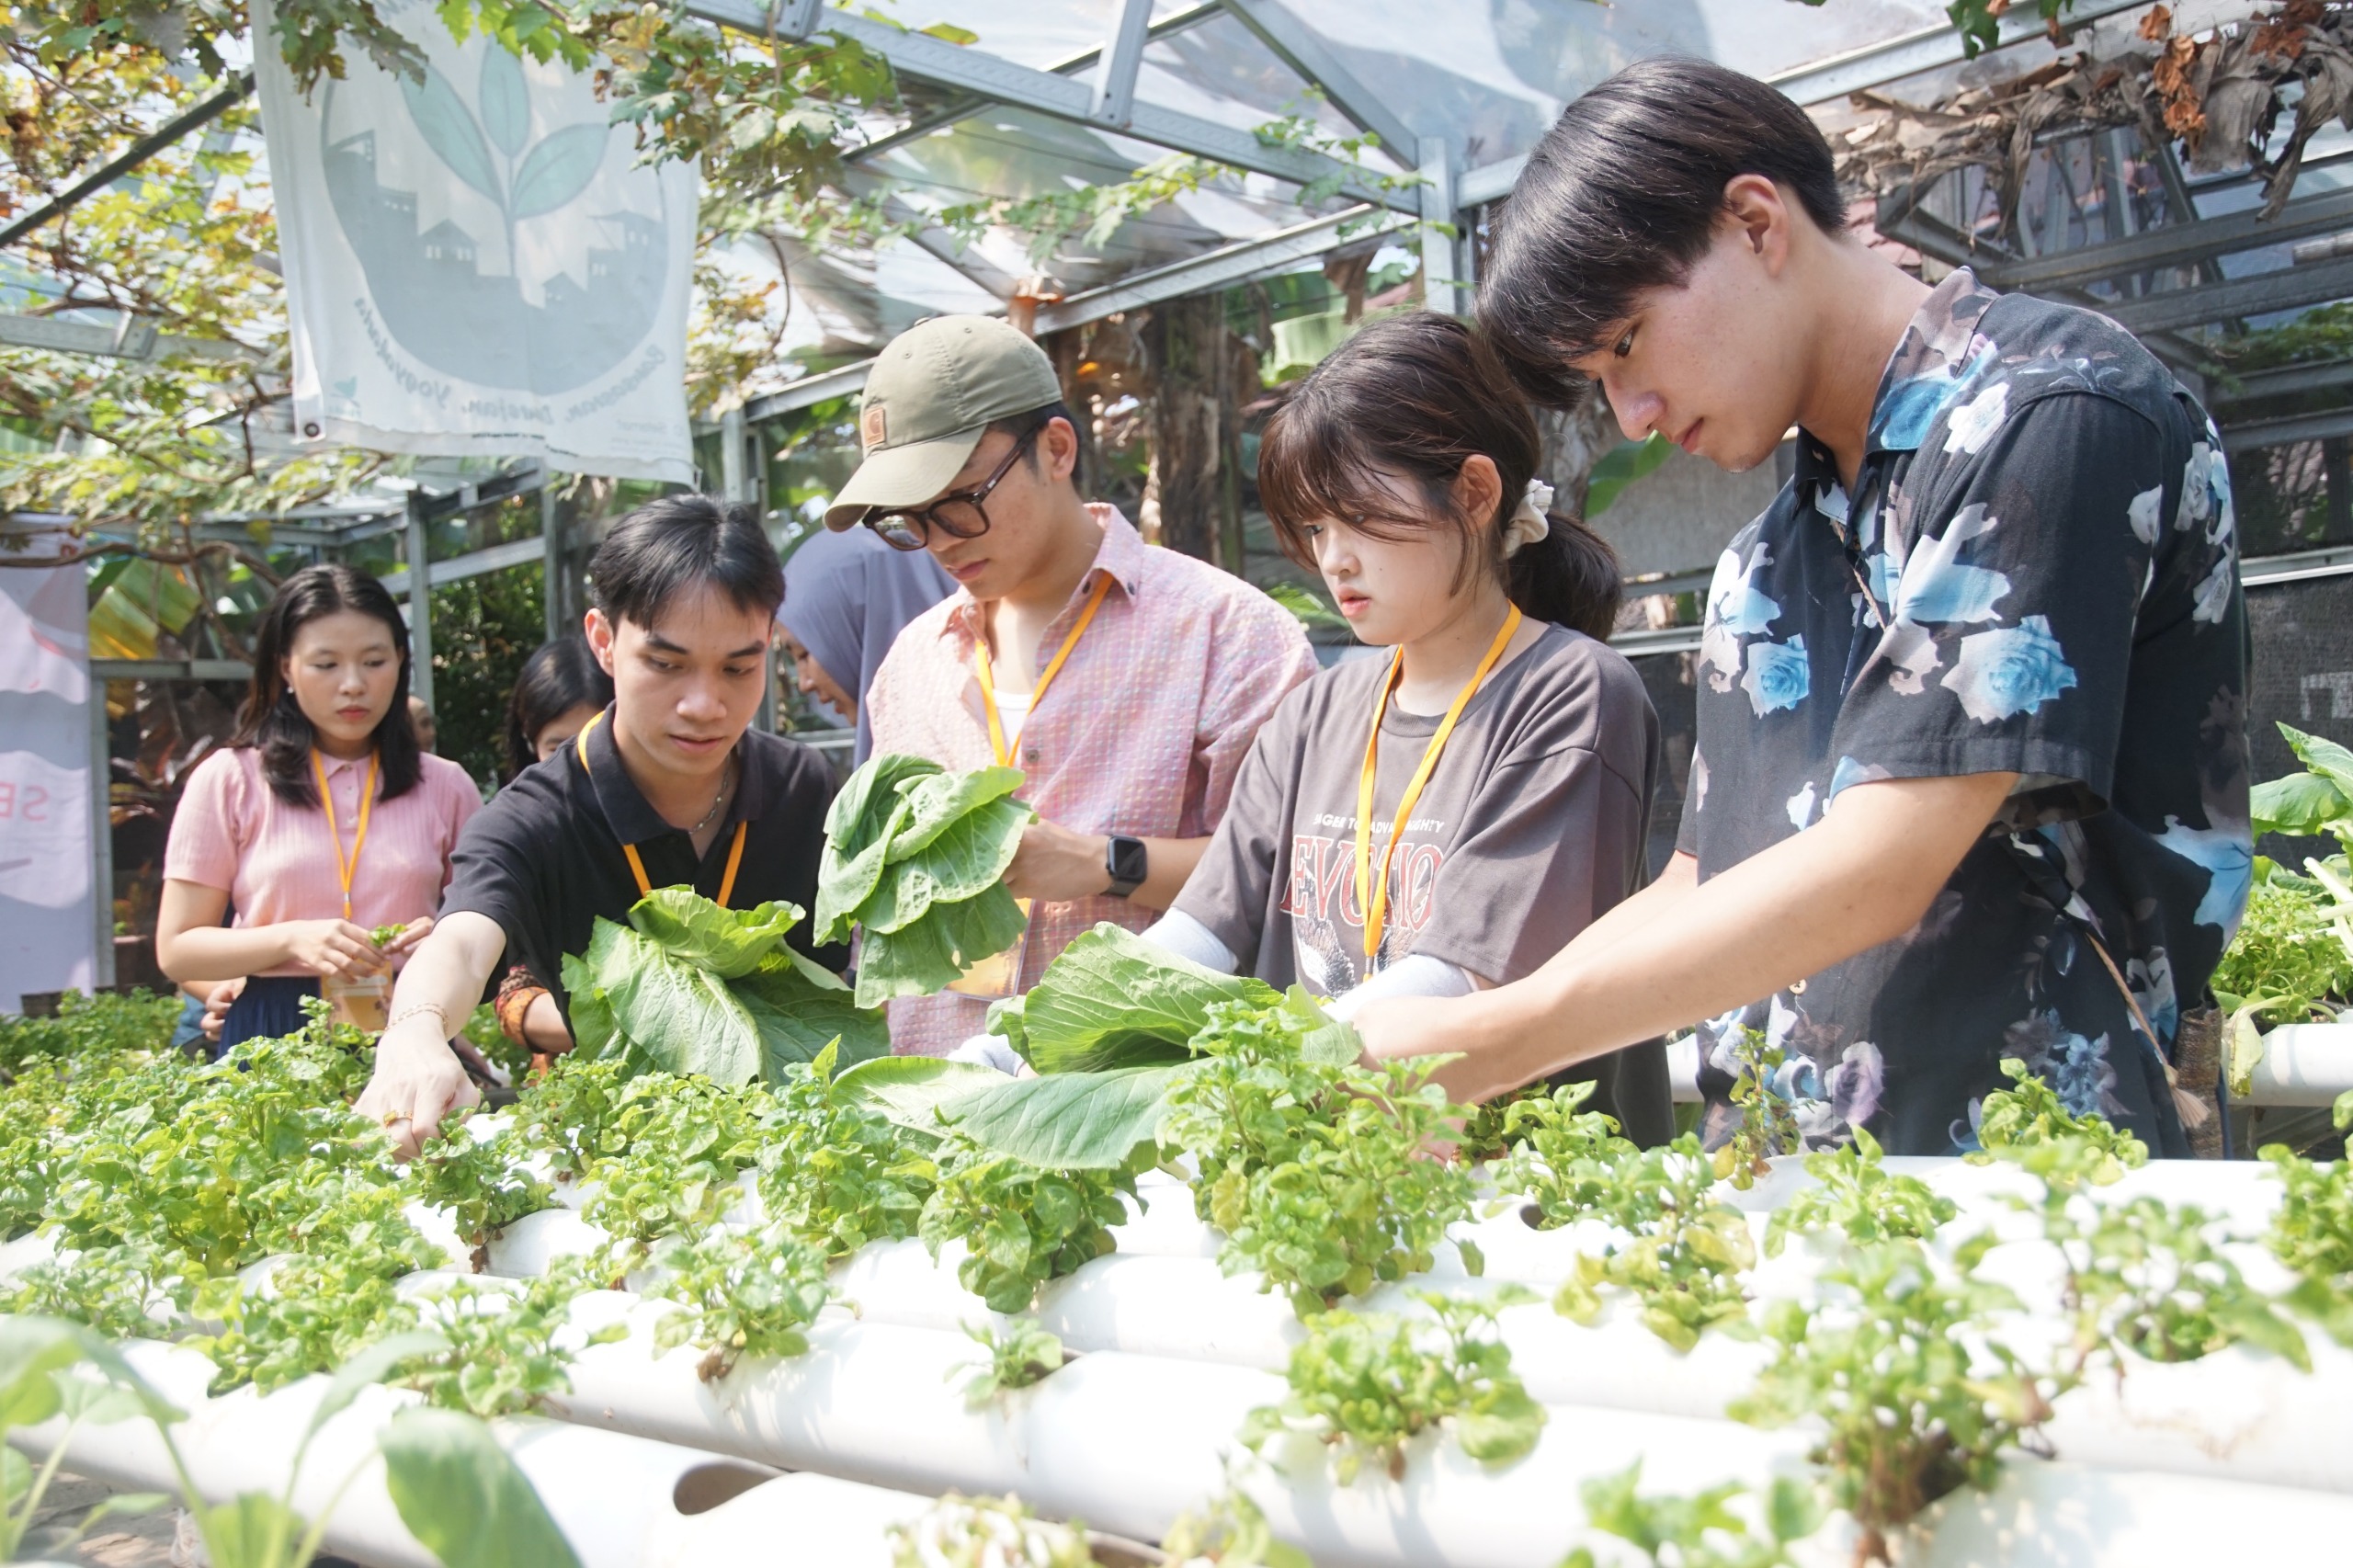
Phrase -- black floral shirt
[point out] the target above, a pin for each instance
(2037, 574)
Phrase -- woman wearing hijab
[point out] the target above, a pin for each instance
(846, 597)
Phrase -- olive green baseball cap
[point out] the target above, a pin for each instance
(929, 398)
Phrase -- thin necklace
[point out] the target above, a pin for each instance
(726, 776)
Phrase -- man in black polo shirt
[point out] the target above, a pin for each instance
(669, 785)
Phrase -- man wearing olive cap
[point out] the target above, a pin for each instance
(1126, 682)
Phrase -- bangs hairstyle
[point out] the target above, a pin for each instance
(272, 721)
(1622, 196)
(670, 545)
(1414, 398)
(558, 677)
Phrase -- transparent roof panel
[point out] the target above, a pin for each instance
(1488, 75)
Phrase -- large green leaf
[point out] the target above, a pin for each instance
(798, 1008)
(939, 801)
(32, 1350)
(868, 799)
(1112, 999)
(252, 1529)
(683, 1019)
(908, 1089)
(594, 1036)
(2323, 757)
(919, 958)
(2300, 803)
(1068, 1121)
(462, 1495)
(370, 1367)
(693, 929)
(964, 860)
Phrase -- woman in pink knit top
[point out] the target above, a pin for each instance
(321, 820)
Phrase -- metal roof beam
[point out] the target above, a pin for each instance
(1858, 71)
(2297, 427)
(130, 339)
(1086, 60)
(2178, 244)
(474, 564)
(925, 58)
(2288, 380)
(2286, 289)
(1114, 102)
(1221, 268)
(1302, 49)
(138, 153)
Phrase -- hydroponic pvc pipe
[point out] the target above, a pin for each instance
(617, 1498)
(1124, 1442)
(795, 1521)
(2302, 1064)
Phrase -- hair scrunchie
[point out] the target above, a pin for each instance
(1528, 522)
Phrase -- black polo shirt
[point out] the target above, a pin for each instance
(544, 858)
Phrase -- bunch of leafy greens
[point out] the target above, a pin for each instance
(1677, 1531)
(1317, 1173)
(1021, 1226)
(1683, 1253)
(837, 1173)
(1856, 1196)
(740, 1294)
(688, 987)
(2312, 1232)
(1024, 1354)
(915, 858)
(1908, 1410)
(1560, 1155)
(1367, 1384)
(2030, 1126)
(2292, 958)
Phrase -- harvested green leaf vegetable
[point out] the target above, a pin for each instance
(915, 858)
(689, 987)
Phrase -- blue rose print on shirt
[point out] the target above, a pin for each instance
(2077, 1070)
(1778, 677)
(1934, 584)
(2011, 670)
(2228, 853)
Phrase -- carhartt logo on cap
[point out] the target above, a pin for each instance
(873, 425)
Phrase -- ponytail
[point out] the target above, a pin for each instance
(1568, 577)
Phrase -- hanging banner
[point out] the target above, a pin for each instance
(48, 923)
(475, 264)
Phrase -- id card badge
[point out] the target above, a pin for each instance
(995, 976)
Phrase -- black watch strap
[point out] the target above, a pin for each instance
(1129, 863)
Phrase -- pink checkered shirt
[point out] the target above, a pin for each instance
(1140, 733)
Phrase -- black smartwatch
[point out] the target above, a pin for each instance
(1129, 864)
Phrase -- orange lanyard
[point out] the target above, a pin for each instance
(1372, 896)
(1038, 694)
(636, 865)
(345, 870)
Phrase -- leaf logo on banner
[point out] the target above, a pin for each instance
(539, 176)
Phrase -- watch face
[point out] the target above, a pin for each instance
(1129, 861)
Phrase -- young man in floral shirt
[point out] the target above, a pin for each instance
(1971, 779)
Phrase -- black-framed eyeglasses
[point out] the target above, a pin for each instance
(963, 514)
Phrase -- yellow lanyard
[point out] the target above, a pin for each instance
(345, 870)
(1372, 896)
(636, 865)
(1038, 694)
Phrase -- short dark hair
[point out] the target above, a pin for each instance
(1416, 397)
(672, 543)
(558, 677)
(1622, 195)
(273, 722)
(1022, 426)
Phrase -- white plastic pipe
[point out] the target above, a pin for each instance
(2302, 1064)
(615, 1498)
(1124, 1442)
(795, 1521)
